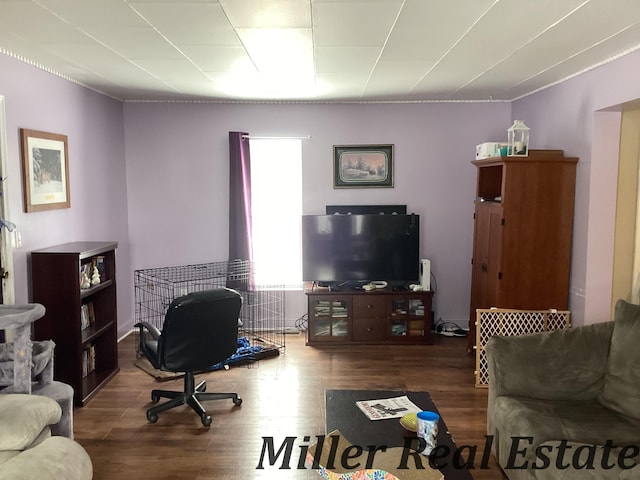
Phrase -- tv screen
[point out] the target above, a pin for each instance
(360, 248)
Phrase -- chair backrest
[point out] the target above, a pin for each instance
(200, 329)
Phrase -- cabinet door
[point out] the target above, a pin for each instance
(329, 318)
(486, 268)
(369, 318)
(409, 316)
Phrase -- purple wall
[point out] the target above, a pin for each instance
(582, 116)
(177, 168)
(93, 124)
(153, 176)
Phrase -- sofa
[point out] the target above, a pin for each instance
(566, 404)
(28, 450)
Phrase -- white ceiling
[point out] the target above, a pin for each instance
(318, 50)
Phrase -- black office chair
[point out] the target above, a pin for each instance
(200, 330)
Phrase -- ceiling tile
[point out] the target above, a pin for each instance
(353, 23)
(555, 48)
(268, 13)
(362, 50)
(345, 59)
(34, 24)
(171, 70)
(497, 36)
(279, 50)
(621, 43)
(218, 59)
(134, 42)
(340, 85)
(112, 12)
(189, 23)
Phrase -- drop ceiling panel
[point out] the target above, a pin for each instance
(621, 43)
(556, 47)
(353, 24)
(278, 51)
(80, 14)
(268, 13)
(134, 42)
(497, 36)
(329, 50)
(34, 24)
(426, 30)
(398, 77)
(519, 78)
(171, 70)
(189, 23)
(218, 58)
(340, 85)
(345, 59)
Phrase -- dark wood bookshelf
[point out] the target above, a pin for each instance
(55, 278)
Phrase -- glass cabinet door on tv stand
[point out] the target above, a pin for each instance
(408, 317)
(329, 318)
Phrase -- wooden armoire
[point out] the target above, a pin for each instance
(523, 224)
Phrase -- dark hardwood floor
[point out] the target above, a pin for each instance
(283, 396)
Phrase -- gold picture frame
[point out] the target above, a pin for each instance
(45, 170)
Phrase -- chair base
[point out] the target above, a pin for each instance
(191, 396)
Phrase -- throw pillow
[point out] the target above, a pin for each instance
(23, 417)
(621, 390)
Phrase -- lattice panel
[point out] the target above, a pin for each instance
(505, 322)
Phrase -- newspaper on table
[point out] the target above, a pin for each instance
(387, 407)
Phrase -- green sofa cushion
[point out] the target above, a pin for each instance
(559, 365)
(578, 421)
(621, 389)
(586, 463)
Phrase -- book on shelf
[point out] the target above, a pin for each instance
(87, 315)
(88, 360)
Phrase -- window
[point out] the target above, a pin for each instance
(276, 206)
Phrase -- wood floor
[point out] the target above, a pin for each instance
(283, 396)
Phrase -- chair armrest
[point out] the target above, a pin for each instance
(152, 329)
(558, 365)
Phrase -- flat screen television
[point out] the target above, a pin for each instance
(360, 248)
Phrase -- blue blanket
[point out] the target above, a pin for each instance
(244, 353)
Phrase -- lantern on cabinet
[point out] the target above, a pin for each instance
(518, 139)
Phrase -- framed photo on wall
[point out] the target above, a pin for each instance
(362, 166)
(45, 170)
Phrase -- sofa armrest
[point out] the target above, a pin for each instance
(558, 365)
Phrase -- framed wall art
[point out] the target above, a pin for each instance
(45, 170)
(362, 166)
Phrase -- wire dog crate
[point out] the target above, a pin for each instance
(261, 316)
(505, 322)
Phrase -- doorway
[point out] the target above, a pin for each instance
(6, 237)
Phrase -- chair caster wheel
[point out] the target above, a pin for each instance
(206, 420)
(152, 417)
(155, 398)
(237, 402)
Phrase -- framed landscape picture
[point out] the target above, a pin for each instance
(45, 170)
(362, 166)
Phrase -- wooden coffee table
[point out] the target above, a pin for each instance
(342, 414)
